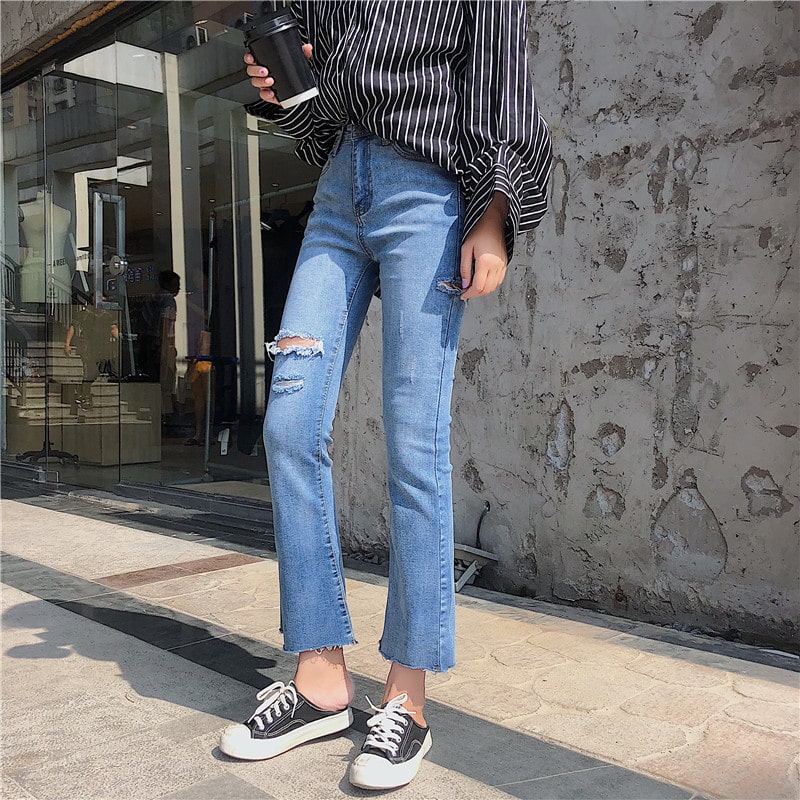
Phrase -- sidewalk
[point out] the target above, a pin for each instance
(128, 646)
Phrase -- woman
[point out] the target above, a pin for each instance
(434, 157)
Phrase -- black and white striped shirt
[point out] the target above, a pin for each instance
(449, 80)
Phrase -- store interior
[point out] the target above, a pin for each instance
(157, 230)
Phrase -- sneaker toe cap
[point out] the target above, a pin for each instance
(369, 770)
(234, 739)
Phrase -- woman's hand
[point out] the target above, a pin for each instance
(485, 246)
(259, 77)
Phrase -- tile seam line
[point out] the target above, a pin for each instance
(179, 571)
(556, 775)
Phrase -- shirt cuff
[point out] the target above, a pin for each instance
(293, 121)
(496, 173)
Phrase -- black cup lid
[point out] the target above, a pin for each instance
(272, 22)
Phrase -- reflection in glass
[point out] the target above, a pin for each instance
(24, 254)
(158, 230)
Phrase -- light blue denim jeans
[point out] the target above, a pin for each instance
(383, 215)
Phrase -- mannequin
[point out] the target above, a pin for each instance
(32, 270)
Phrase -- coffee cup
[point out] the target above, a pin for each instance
(274, 42)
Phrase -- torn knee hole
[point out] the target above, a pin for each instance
(286, 343)
(285, 384)
(296, 341)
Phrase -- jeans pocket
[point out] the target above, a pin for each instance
(407, 152)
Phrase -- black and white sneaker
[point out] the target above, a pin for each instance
(284, 720)
(393, 750)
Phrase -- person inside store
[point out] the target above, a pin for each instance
(434, 157)
(157, 354)
(93, 334)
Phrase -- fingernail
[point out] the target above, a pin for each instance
(262, 71)
(464, 283)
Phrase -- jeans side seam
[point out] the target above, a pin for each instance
(340, 339)
(436, 463)
(438, 486)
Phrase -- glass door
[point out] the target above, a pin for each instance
(198, 231)
(22, 248)
(85, 257)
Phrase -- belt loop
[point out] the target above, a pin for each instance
(337, 142)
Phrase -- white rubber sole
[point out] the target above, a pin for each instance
(369, 771)
(237, 742)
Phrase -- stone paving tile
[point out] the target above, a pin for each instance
(586, 687)
(528, 657)
(583, 648)
(733, 760)
(11, 790)
(490, 669)
(45, 582)
(323, 765)
(224, 787)
(366, 660)
(467, 649)
(367, 629)
(244, 599)
(673, 670)
(196, 566)
(70, 684)
(768, 691)
(494, 632)
(144, 766)
(613, 735)
(101, 548)
(486, 699)
(589, 784)
(773, 716)
(680, 705)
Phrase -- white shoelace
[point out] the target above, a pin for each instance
(276, 699)
(386, 726)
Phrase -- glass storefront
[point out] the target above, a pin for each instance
(156, 230)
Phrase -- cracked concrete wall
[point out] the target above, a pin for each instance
(29, 25)
(628, 402)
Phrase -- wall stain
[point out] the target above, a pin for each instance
(786, 430)
(686, 538)
(604, 502)
(657, 178)
(685, 416)
(566, 75)
(764, 497)
(685, 165)
(469, 363)
(561, 444)
(749, 370)
(561, 175)
(615, 258)
(660, 470)
(611, 438)
(471, 475)
(764, 126)
(591, 368)
(765, 74)
(704, 25)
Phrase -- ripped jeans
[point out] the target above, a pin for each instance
(380, 215)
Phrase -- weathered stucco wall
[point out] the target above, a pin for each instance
(628, 402)
(28, 25)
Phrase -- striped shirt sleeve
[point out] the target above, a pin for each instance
(506, 141)
(298, 121)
